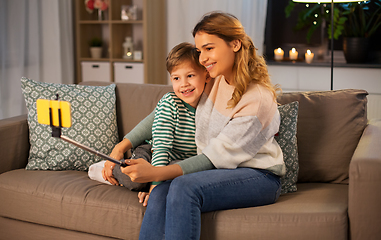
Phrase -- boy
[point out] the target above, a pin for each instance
(173, 129)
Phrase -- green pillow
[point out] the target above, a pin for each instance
(286, 139)
(93, 124)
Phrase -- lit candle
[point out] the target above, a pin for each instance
(309, 56)
(278, 54)
(293, 54)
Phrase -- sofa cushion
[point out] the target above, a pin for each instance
(286, 139)
(10, 229)
(70, 200)
(316, 211)
(330, 124)
(93, 124)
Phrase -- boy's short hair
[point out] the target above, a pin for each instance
(181, 53)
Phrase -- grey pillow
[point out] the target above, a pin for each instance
(93, 124)
(286, 139)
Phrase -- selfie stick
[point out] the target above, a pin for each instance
(56, 132)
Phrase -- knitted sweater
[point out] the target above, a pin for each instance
(242, 136)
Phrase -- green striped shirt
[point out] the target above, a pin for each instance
(173, 131)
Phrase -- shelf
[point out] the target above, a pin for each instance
(110, 60)
(148, 34)
(127, 21)
(94, 59)
(126, 60)
(322, 63)
(94, 22)
(111, 22)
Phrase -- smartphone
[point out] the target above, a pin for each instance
(47, 108)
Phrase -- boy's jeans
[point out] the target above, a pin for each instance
(174, 207)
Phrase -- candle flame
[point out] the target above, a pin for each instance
(309, 52)
(293, 50)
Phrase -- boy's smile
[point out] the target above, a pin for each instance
(187, 92)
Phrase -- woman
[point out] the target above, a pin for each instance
(239, 162)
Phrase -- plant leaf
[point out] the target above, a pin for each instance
(289, 8)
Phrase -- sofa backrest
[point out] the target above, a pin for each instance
(330, 124)
(134, 102)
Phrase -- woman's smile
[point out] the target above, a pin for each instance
(210, 66)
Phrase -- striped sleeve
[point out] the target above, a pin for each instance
(163, 129)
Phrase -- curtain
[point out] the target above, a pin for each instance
(183, 15)
(36, 41)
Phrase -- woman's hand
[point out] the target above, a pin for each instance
(141, 171)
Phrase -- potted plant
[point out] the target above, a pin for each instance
(96, 47)
(356, 22)
(361, 24)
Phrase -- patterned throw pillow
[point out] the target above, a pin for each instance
(286, 139)
(93, 124)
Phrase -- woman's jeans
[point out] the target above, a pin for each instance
(174, 207)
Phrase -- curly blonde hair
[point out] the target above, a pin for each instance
(248, 66)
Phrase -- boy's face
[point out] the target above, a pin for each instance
(188, 82)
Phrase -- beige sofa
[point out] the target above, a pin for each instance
(339, 182)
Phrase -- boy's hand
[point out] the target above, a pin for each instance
(144, 196)
(117, 153)
(107, 173)
(109, 166)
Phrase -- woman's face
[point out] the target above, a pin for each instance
(216, 55)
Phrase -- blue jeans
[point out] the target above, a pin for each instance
(174, 207)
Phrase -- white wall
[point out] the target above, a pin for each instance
(306, 78)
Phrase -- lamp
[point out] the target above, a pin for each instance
(332, 4)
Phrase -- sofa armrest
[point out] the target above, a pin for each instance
(364, 206)
(14, 143)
